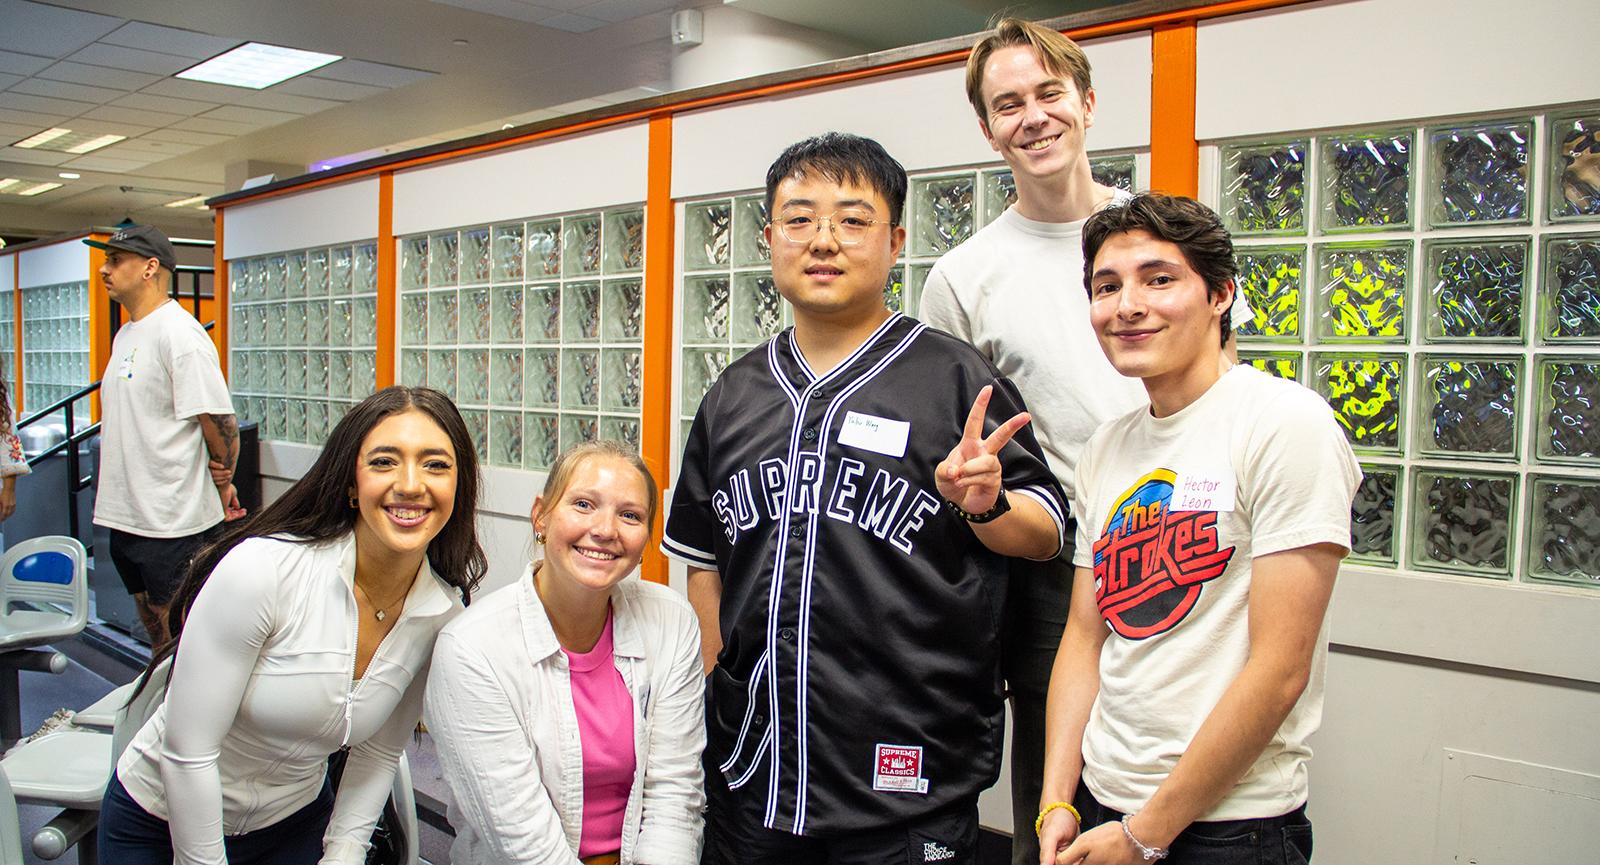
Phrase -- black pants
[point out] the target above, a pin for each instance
(735, 836)
(1281, 840)
(130, 835)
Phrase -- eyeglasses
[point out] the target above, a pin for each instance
(801, 226)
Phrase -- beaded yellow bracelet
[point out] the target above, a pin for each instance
(1039, 821)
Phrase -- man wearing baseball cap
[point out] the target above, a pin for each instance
(168, 439)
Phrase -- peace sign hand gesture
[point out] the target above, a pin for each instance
(970, 475)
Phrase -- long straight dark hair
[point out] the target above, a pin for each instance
(314, 508)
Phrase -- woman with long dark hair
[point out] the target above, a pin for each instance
(305, 629)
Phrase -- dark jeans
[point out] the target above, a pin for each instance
(1281, 840)
(130, 835)
(1036, 613)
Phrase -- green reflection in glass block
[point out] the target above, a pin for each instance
(580, 241)
(944, 213)
(749, 238)
(1469, 405)
(1373, 512)
(1570, 301)
(1461, 522)
(505, 439)
(1574, 190)
(894, 290)
(1475, 289)
(444, 259)
(623, 311)
(544, 248)
(1264, 187)
(1564, 532)
(705, 309)
(1283, 364)
(478, 427)
(1363, 291)
(708, 235)
(541, 440)
(700, 370)
(1270, 278)
(1479, 174)
(1115, 171)
(1365, 391)
(1569, 410)
(1366, 181)
(542, 312)
(541, 378)
(577, 429)
(624, 238)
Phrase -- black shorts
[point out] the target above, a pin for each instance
(155, 567)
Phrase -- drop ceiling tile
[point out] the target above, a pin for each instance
(323, 88)
(565, 5)
(513, 9)
(21, 64)
(65, 90)
(98, 76)
(148, 146)
(251, 116)
(151, 102)
(109, 127)
(33, 157)
(289, 102)
(43, 104)
(38, 121)
(572, 23)
(96, 162)
(7, 79)
(625, 10)
(375, 74)
(16, 131)
(118, 57)
(202, 91)
(169, 40)
(187, 136)
(148, 119)
(219, 127)
(50, 30)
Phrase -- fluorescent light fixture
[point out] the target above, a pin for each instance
(96, 143)
(8, 182)
(36, 189)
(185, 202)
(46, 136)
(257, 65)
(69, 175)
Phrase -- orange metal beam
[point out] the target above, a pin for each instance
(1174, 154)
(384, 360)
(99, 322)
(655, 427)
(219, 292)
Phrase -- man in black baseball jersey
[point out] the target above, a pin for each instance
(845, 504)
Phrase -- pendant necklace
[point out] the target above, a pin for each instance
(380, 613)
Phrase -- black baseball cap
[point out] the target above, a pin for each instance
(145, 241)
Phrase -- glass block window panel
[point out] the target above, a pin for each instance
(757, 310)
(1568, 421)
(507, 254)
(1570, 301)
(1469, 405)
(1574, 190)
(476, 256)
(1114, 171)
(580, 312)
(701, 368)
(624, 241)
(999, 192)
(894, 290)
(542, 313)
(1372, 514)
(705, 309)
(581, 246)
(414, 262)
(944, 214)
(710, 235)
(623, 316)
(55, 347)
(1564, 531)
(1365, 391)
(1462, 522)
(541, 440)
(444, 259)
(1264, 187)
(1475, 289)
(1366, 181)
(544, 248)
(1270, 278)
(541, 376)
(505, 439)
(749, 238)
(1479, 174)
(1363, 291)
(1283, 364)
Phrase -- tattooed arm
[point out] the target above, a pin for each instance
(221, 432)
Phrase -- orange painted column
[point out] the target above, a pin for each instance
(387, 298)
(16, 333)
(1174, 154)
(99, 322)
(219, 293)
(655, 433)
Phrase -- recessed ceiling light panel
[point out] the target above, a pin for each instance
(38, 188)
(185, 202)
(257, 65)
(67, 141)
(40, 138)
(8, 182)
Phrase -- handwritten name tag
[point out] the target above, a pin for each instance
(877, 434)
(1204, 489)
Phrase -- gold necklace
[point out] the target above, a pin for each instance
(380, 613)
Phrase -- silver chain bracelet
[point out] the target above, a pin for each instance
(1150, 854)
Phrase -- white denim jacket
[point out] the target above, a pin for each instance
(499, 707)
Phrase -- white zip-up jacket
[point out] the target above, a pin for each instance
(500, 710)
(263, 691)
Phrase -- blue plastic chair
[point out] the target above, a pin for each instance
(49, 576)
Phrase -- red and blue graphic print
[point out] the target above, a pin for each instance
(1151, 563)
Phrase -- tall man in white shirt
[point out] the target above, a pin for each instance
(169, 439)
(1014, 291)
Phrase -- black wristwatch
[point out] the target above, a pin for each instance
(1000, 508)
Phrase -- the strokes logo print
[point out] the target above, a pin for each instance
(1151, 563)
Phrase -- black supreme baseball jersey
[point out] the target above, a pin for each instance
(859, 681)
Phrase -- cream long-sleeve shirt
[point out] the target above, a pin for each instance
(500, 710)
(263, 691)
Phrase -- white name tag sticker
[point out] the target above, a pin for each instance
(877, 434)
(1204, 489)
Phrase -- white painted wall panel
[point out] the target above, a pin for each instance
(67, 261)
(1374, 61)
(922, 118)
(594, 169)
(8, 272)
(340, 213)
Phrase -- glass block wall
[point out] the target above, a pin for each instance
(1440, 286)
(730, 304)
(304, 331)
(534, 327)
(8, 341)
(55, 346)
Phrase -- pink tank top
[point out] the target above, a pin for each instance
(605, 730)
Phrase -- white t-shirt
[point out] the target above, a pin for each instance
(1015, 291)
(163, 373)
(1171, 513)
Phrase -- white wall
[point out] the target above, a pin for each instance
(8, 272)
(339, 213)
(740, 44)
(67, 261)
